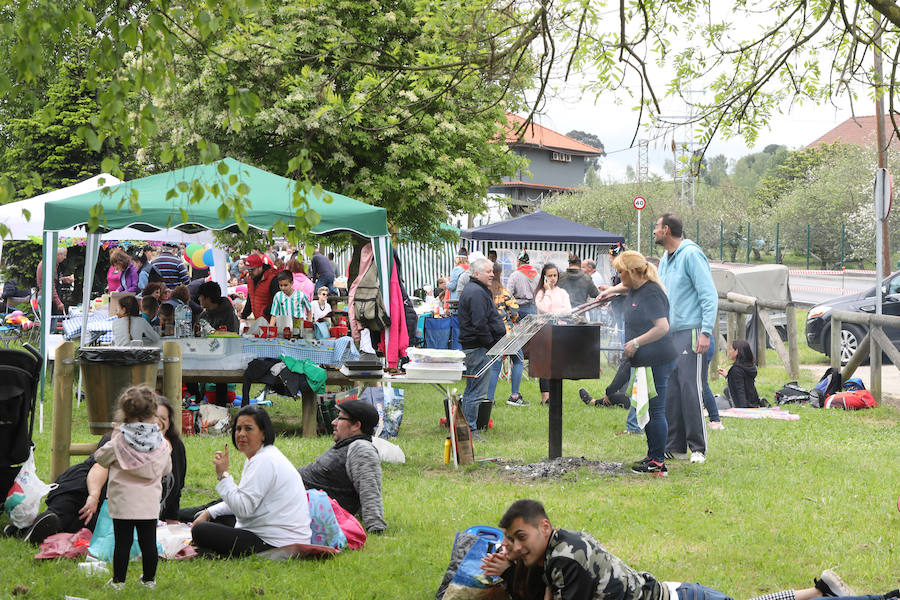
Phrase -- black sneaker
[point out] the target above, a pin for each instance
(46, 524)
(11, 531)
(516, 401)
(650, 467)
(586, 397)
(831, 584)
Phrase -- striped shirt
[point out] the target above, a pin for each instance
(296, 305)
(170, 269)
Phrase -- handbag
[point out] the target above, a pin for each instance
(322, 330)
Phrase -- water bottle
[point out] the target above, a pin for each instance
(183, 321)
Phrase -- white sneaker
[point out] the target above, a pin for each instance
(698, 457)
(677, 455)
(116, 585)
(148, 584)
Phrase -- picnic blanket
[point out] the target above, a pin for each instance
(773, 412)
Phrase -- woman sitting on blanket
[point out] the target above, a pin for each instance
(268, 509)
(741, 377)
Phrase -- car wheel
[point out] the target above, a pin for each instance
(851, 336)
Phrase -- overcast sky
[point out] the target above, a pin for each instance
(615, 125)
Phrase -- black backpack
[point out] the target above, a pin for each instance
(791, 392)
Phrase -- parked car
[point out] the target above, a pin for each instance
(818, 321)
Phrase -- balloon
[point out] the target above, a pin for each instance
(192, 248)
(208, 257)
(197, 258)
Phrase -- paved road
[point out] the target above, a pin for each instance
(817, 288)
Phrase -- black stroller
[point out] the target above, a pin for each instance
(20, 371)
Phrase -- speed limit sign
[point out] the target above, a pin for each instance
(639, 203)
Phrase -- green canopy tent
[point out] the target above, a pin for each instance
(165, 203)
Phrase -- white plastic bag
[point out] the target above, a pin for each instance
(23, 502)
(388, 452)
(640, 396)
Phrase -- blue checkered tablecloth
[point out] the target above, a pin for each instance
(99, 325)
(322, 352)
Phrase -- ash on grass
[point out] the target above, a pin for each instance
(558, 468)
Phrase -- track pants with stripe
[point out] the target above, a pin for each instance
(684, 397)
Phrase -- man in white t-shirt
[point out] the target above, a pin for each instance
(590, 267)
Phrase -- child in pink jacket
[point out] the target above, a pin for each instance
(137, 457)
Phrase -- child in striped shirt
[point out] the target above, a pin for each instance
(289, 301)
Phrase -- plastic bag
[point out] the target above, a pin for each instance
(323, 521)
(353, 529)
(464, 577)
(66, 545)
(23, 502)
(104, 541)
(322, 331)
(120, 355)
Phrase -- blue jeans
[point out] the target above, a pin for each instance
(528, 309)
(515, 375)
(709, 400)
(476, 389)
(657, 429)
(695, 591)
(324, 281)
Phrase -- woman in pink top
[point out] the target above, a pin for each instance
(548, 298)
(301, 281)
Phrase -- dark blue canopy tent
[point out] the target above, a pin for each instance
(541, 227)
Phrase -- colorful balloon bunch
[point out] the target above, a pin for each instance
(198, 256)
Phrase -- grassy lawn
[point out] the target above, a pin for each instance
(775, 504)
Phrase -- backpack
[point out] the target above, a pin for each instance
(853, 384)
(791, 392)
(855, 400)
(830, 383)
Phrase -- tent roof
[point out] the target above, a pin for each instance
(270, 198)
(22, 228)
(541, 227)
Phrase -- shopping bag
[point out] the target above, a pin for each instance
(322, 330)
(464, 578)
(23, 501)
(103, 542)
(352, 528)
(324, 525)
(640, 396)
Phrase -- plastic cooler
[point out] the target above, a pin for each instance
(106, 372)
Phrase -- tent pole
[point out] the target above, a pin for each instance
(48, 276)
(91, 250)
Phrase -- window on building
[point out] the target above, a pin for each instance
(561, 157)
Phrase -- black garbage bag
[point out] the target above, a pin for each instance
(120, 356)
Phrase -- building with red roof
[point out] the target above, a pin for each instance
(859, 131)
(557, 163)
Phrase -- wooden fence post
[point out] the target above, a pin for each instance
(61, 431)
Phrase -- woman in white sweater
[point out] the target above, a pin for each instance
(130, 327)
(269, 505)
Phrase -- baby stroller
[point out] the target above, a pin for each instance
(20, 371)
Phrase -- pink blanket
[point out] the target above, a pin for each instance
(774, 412)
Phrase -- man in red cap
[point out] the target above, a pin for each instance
(262, 285)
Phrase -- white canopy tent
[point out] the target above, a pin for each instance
(25, 220)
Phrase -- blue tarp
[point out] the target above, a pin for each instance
(541, 227)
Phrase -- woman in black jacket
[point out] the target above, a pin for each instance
(741, 376)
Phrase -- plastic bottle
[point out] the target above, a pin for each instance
(447, 450)
(183, 321)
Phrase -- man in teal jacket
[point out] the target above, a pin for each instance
(693, 303)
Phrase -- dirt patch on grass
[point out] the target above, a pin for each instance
(558, 468)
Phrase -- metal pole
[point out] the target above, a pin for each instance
(807, 246)
(777, 243)
(697, 239)
(639, 230)
(843, 237)
(722, 241)
(628, 233)
(555, 419)
(884, 247)
(748, 243)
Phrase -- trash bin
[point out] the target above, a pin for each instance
(105, 372)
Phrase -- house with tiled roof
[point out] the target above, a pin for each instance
(859, 131)
(557, 163)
